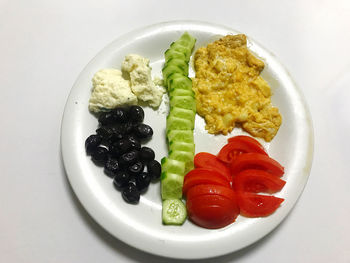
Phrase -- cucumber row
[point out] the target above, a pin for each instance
(179, 128)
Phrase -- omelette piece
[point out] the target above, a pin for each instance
(230, 91)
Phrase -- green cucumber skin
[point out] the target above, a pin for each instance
(174, 212)
(182, 146)
(171, 185)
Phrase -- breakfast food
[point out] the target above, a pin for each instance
(227, 91)
(230, 91)
(179, 128)
(111, 89)
(142, 85)
(117, 147)
(224, 186)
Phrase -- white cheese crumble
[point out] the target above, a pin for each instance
(110, 90)
(141, 80)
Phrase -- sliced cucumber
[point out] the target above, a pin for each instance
(183, 113)
(179, 81)
(169, 69)
(182, 49)
(181, 92)
(180, 136)
(173, 166)
(171, 185)
(173, 212)
(181, 146)
(187, 40)
(178, 62)
(186, 157)
(185, 102)
(172, 53)
(176, 123)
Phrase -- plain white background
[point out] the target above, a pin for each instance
(45, 44)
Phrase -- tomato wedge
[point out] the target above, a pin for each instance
(212, 211)
(210, 171)
(257, 181)
(253, 205)
(247, 140)
(256, 161)
(208, 160)
(194, 178)
(207, 189)
(233, 149)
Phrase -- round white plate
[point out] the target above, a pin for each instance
(141, 225)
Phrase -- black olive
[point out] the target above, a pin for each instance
(135, 142)
(106, 118)
(143, 131)
(114, 150)
(135, 168)
(121, 179)
(143, 180)
(136, 113)
(131, 194)
(116, 135)
(100, 155)
(146, 154)
(111, 167)
(154, 169)
(132, 179)
(91, 143)
(128, 158)
(127, 128)
(120, 115)
(105, 132)
(123, 145)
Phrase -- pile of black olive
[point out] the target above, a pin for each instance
(117, 146)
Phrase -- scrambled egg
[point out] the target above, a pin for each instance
(229, 89)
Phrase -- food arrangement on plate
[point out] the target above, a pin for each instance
(227, 91)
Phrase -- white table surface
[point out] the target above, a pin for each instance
(45, 44)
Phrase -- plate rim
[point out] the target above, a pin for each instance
(81, 194)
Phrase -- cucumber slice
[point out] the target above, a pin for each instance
(182, 49)
(173, 212)
(186, 157)
(169, 69)
(181, 146)
(178, 62)
(187, 40)
(171, 53)
(171, 186)
(179, 81)
(185, 102)
(180, 136)
(173, 166)
(183, 113)
(176, 123)
(181, 92)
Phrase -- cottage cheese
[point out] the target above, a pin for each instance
(110, 90)
(137, 67)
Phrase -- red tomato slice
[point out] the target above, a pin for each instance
(209, 171)
(193, 178)
(253, 205)
(208, 160)
(232, 150)
(246, 139)
(207, 189)
(256, 161)
(257, 181)
(212, 211)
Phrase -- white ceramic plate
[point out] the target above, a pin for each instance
(141, 225)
